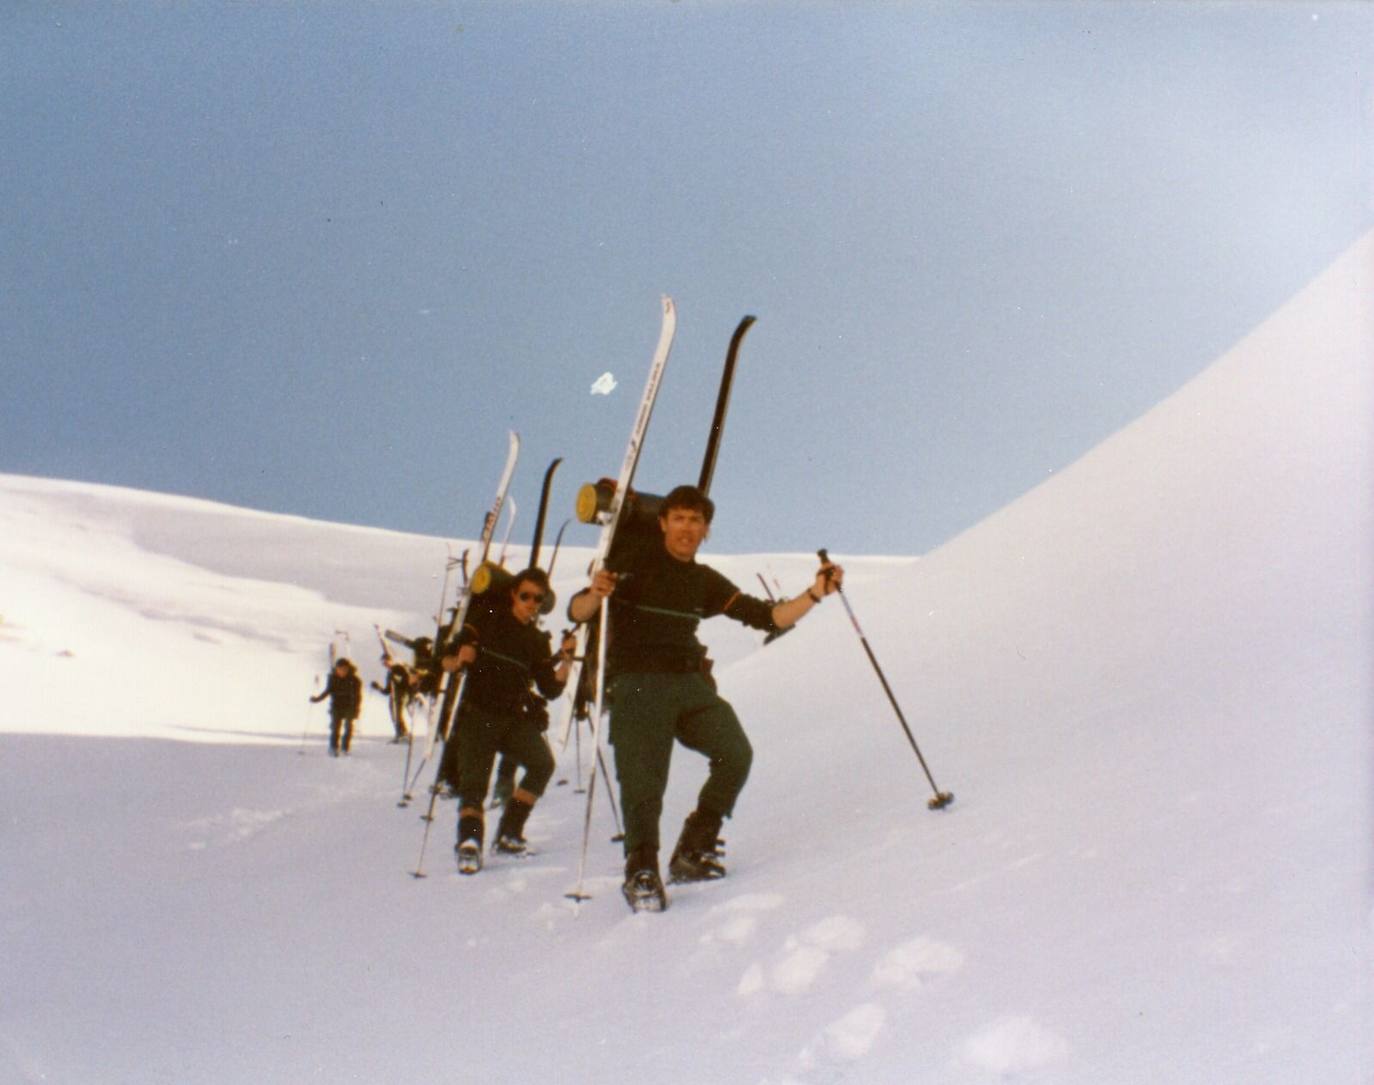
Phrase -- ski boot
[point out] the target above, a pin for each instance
(698, 853)
(469, 854)
(510, 832)
(643, 888)
(469, 847)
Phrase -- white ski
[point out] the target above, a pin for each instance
(465, 593)
(609, 522)
(464, 601)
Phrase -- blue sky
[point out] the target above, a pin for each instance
(319, 258)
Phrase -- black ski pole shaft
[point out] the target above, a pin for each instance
(942, 798)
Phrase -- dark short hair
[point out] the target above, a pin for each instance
(688, 497)
(533, 575)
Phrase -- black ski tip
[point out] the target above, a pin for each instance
(941, 800)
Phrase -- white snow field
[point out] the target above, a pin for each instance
(1147, 683)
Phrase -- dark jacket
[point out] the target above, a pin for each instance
(510, 656)
(658, 603)
(345, 696)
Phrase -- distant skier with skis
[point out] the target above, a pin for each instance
(505, 654)
(659, 689)
(401, 690)
(345, 693)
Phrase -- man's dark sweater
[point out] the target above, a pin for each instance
(658, 603)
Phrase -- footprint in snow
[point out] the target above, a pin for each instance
(803, 957)
(846, 1039)
(738, 919)
(1013, 1045)
(913, 964)
(851, 1037)
(231, 828)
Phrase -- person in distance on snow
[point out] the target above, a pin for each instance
(504, 652)
(345, 693)
(659, 691)
(401, 689)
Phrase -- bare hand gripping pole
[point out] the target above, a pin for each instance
(942, 798)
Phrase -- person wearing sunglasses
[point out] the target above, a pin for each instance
(506, 655)
(659, 687)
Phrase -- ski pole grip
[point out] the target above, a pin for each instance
(825, 560)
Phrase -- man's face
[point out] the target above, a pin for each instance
(526, 598)
(684, 530)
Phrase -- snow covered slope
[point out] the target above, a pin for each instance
(1148, 683)
(219, 616)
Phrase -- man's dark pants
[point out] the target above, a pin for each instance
(649, 711)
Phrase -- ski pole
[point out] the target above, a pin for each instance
(428, 816)
(300, 752)
(577, 757)
(450, 736)
(773, 599)
(942, 798)
(419, 871)
(406, 796)
(579, 894)
(610, 794)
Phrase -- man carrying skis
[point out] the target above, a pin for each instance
(503, 651)
(659, 690)
(401, 689)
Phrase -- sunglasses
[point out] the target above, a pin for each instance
(530, 596)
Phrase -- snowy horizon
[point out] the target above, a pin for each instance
(1148, 682)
